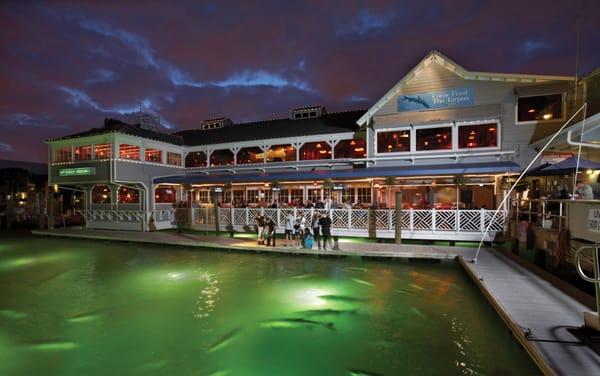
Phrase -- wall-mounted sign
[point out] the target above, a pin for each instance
(338, 187)
(77, 171)
(553, 157)
(217, 189)
(276, 189)
(594, 220)
(458, 97)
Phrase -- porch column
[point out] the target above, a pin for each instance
(398, 232)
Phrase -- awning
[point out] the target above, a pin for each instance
(567, 166)
(498, 167)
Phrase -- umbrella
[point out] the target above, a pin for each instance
(568, 166)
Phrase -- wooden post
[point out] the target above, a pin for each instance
(398, 232)
(216, 208)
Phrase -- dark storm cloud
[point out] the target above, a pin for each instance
(64, 66)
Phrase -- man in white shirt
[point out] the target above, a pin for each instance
(289, 229)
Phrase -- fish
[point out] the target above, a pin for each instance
(85, 316)
(362, 372)
(416, 287)
(417, 100)
(295, 323)
(226, 340)
(341, 298)
(10, 314)
(418, 312)
(151, 366)
(327, 312)
(52, 346)
(405, 292)
(223, 372)
(362, 282)
(303, 276)
(356, 269)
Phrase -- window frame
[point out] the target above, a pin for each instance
(480, 122)
(563, 100)
(394, 129)
(453, 141)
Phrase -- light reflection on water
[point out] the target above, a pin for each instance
(170, 311)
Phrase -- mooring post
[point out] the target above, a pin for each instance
(398, 227)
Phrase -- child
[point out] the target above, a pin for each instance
(308, 239)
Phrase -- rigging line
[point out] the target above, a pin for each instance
(579, 153)
(503, 203)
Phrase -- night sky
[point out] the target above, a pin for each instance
(64, 67)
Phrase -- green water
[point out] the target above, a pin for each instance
(75, 307)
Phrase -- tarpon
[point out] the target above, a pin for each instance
(327, 312)
(418, 312)
(295, 323)
(10, 314)
(356, 269)
(303, 276)
(151, 366)
(226, 340)
(361, 372)
(341, 298)
(52, 346)
(417, 100)
(362, 282)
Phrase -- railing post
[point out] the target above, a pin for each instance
(411, 223)
(560, 215)
(277, 217)
(295, 211)
(247, 216)
(262, 211)
(349, 219)
(390, 219)
(457, 219)
(433, 219)
(482, 220)
(232, 214)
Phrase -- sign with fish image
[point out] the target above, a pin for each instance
(458, 97)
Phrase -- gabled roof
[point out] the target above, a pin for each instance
(333, 122)
(439, 58)
(117, 126)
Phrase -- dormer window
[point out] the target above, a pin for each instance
(307, 112)
(540, 108)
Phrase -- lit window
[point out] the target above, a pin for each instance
(101, 194)
(364, 195)
(296, 195)
(434, 138)
(128, 196)
(83, 153)
(253, 195)
(63, 154)
(165, 194)
(348, 195)
(102, 151)
(540, 108)
(314, 194)
(250, 155)
(221, 157)
(315, 150)
(173, 159)
(127, 151)
(355, 148)
(153, 155)
(394, 141)
(195, 159)
(281, 153)
(478, 136)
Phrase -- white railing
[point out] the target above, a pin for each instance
(416, 223)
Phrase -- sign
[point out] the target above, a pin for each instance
(553, 157)
(594, 220)
(78, 171)
(459, 97)
(338, 187)
(217, 189)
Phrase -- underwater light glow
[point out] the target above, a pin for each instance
(176, 276)
(311, 297)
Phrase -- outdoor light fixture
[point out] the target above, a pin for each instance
(531, 110)
(547, 116)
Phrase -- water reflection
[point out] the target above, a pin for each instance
(207, 300)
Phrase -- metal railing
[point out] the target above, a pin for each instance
(595, 267)
(550, 214)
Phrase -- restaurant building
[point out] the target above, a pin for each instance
(448, 138)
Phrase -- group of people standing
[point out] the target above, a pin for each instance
(297, 233)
